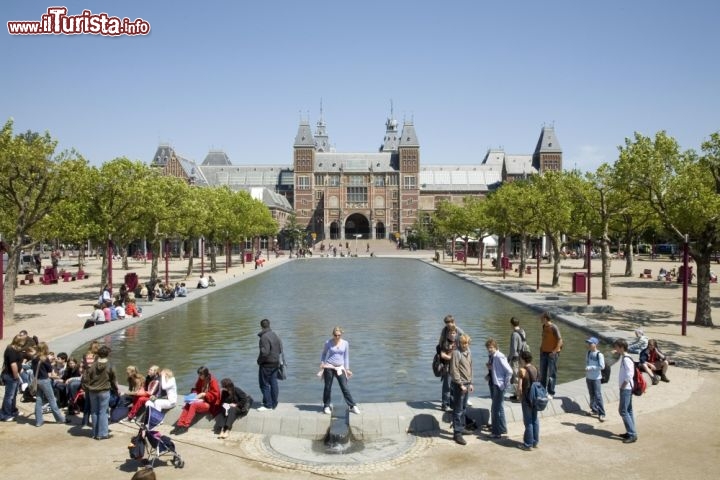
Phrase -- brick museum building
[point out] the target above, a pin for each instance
(377, 194)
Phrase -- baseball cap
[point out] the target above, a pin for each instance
(592, 340)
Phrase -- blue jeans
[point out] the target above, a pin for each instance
(497, 410)
(45, 394)
(460, 399)
(99, 405)
(9, 404)
(532, 425)
(626, 411)
(548, 370)
(595, 393)
(328, 375)
(446, 398)
(267, 379)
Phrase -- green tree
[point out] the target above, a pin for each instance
(34, 179)
(554, 210)
(683, 188)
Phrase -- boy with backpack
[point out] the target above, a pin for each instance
(594, 365)
(626, 383)
(518, 343)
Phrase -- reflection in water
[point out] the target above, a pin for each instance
(391, 310)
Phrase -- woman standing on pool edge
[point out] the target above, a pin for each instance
(335, 362)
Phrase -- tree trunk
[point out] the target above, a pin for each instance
(190, 251)
(555, 244)
(124, 256)
(11, 280)
(703, 309)
(627, 251)
(521, 268)
(605, 255)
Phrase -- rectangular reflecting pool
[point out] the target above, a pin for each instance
(391, 310)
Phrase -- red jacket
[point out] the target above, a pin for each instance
(212, 393)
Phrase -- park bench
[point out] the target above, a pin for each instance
(29, 278)
(647, 273)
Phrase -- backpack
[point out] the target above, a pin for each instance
(538, 396)
(438, 365)
(524, 347)
(605, 373)
(639, 383)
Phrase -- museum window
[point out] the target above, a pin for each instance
(409, 182)
(357, 180)
(303, 182)
(319, 180)
(379, 181)
(334, 180)
(392, 180)
(357, 195)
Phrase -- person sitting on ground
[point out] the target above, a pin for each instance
(204, 398)
(119, 310)
(654, 362)
(168, 293)
(168, 387)
(211, 281)
(141, 291)
(150, 388)
(640, 343)
(97, 317)
(203, 282)
(236, 404)
(131, 309)
(182, 290)
(135, 382)
(662, 274)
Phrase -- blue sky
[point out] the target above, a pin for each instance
(473, 75)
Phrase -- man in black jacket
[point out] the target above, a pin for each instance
(268, 362)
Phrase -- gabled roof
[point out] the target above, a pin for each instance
(216, 158)
(408, 138)
(519, 165)
(354, 162)
(270, 198)
(304, 137)
(236, 177)
(458, 178)
(548, 142)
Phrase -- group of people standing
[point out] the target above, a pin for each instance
(516, 373)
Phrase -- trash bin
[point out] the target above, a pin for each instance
(248, 257)
(505, 263)
(578, 284)
(459, 256)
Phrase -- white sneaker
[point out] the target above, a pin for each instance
(355, 409)
(469, 403)
(327, 410)
(262, 408)
(550, 397)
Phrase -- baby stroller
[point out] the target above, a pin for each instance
(152, 444)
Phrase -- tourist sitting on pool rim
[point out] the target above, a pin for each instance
(207, 400)
(654, 362)
(335, 363)
(235, 404)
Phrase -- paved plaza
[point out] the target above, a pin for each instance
(676, 426)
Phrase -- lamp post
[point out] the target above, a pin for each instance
(537, 265)
(167, 262)
(3, 250)
(202, 256)
(589, 270)
(685, 286)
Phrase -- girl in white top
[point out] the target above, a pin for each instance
(169, 386)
